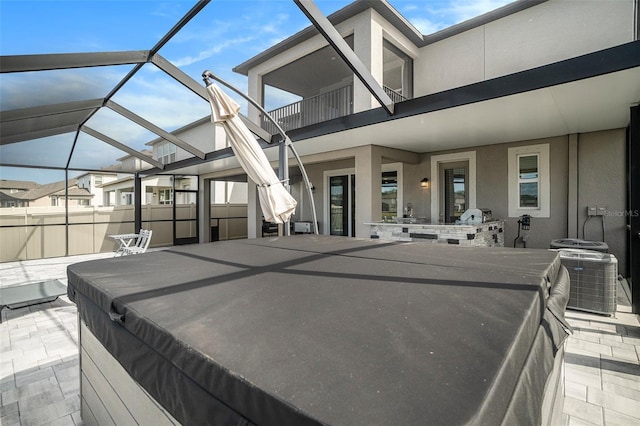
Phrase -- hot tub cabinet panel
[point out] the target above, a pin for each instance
(322, 330)
(109, 394)
(488, 234)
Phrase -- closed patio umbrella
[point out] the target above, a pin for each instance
(275, 201)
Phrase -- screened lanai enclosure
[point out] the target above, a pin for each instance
(102, 143)
(94, 144)
(298, 330)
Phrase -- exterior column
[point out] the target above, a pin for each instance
(367, 44)
(368, 189)
(254, 214)
(204, 205)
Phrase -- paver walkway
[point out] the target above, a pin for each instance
(39, 372)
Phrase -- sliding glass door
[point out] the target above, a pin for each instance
(342, 205)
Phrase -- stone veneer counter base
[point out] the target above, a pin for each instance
(489, 234)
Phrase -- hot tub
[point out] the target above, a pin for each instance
(325, 330)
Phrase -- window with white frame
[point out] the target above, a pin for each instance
(528, 181)
(165, 196)
(166, 153)
(529, 189)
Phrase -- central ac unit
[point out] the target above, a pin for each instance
(593, 280)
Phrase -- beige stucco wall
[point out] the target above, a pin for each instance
(492, 188)
(602, 178)
(540, 35)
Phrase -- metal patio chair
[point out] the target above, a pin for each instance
(141, 245)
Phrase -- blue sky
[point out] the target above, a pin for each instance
(224, 34)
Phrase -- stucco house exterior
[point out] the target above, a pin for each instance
(119, 188)
(93, 182)
(531, 109)
(526, 109)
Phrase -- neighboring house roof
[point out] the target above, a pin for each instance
(146, 152)
(22, 185)
(115, 182)
(394, 18)
(5, 197)
(193, 125)
(53, 188)
(97, 173)
(75, 192)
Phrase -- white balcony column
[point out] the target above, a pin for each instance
(368, 189)
(367, 44)
(255, 92)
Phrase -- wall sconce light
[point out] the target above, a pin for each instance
(424, 183)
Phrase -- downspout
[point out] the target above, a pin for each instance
(574, 187)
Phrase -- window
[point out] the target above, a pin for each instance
(389, 194)
(340, 198)
(98, 180)
(165, 196)
(398, 73)
(453, 191)
(166, 153)
(529, 181)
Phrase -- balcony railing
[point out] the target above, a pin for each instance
(395, 96)
(316, 109)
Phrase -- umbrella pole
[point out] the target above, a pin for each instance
(283, 157)
(307, 183)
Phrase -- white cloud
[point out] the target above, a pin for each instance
(462, 10)
(436, 16)
(208, 53)
(426, 26)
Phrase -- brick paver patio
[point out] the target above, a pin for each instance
(39, 370)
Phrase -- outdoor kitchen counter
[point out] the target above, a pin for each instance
(487, 234)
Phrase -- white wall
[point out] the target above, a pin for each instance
(369, 28)
(540, 35)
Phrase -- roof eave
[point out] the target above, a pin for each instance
(395, 18)
(349, 11)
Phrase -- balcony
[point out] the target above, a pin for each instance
(316, 109)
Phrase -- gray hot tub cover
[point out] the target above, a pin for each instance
(331, 330)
